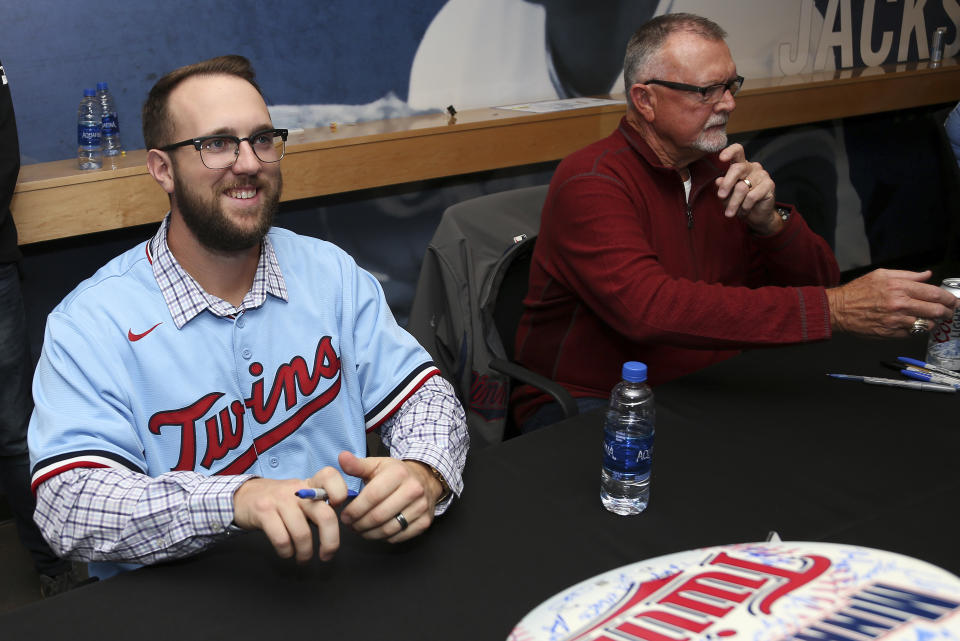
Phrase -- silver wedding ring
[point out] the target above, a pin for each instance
(919, 326)
(749, 184)
(402, 520)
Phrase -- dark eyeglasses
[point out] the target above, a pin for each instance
(711, 94)
(221, 151)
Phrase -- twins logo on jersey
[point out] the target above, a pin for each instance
(222, 431)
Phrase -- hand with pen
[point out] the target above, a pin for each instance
(885, 303)
(271, 505)
(397, 503)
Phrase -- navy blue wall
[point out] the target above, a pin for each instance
(305, 52)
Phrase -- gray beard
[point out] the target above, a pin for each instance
(710, 143)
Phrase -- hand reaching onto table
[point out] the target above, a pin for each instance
(885, 303)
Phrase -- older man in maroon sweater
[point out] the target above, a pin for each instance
(662, 244)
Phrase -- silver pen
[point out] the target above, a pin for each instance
(896, 382)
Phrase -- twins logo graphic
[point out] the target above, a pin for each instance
(222, 430)
(792, 591)
(488, 396)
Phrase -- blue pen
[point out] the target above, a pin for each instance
(896, 382)
(931, 378)
(932, 368)
(319, 494)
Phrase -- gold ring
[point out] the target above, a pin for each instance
(749, 184)
(919, 326)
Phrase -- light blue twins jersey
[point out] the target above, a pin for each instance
(277, 391)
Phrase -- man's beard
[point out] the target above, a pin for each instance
(207, 221)
(711, 142)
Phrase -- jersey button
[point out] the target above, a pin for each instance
(241, 322)
(274, 461)
(246, 353)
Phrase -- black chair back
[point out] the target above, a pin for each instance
(508, 307)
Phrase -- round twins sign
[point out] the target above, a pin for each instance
(784, 591)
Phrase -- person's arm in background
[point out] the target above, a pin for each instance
(9, 164)
(952, 125)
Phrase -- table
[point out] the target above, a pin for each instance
(762, 442)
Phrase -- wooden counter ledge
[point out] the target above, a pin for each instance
(57, 200)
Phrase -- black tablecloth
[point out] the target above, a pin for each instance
(762, 442)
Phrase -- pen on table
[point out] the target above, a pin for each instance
(926, 375)
(319, 494)
(897, 365)
(896, 382)
(928, 366)
(929, 377)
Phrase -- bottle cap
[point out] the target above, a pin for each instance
(634, 371)
(89, 92)
(101, 86)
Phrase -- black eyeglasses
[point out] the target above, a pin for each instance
(221, 151)
(711, 94)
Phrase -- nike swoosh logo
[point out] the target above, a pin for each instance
(135, 337)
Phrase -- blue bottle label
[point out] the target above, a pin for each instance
(109, 125)
(88, 135)
(627, 455)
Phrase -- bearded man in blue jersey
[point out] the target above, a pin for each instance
(195, 383)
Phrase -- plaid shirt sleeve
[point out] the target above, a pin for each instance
(106, 514)
(431, 427)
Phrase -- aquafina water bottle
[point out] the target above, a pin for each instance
(109, 120)
(628, 443)
(89, 145)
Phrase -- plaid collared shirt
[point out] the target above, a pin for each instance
(107, 514)
(184, 296)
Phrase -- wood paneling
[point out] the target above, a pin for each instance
(56, 200)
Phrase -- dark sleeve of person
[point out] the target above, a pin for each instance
(9, 169)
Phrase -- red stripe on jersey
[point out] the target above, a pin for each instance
(54, 472)
(400, 402)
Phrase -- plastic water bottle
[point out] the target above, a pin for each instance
(89, 146)
(110, 122)
(628, 443)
